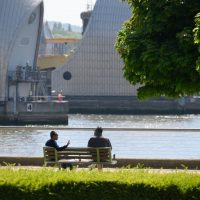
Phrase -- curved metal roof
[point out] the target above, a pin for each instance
(13, 16)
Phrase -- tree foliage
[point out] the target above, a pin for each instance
(59, 31)
(160, 47)
(197, 39)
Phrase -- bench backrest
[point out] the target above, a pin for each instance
(49, 155)
(101, 154)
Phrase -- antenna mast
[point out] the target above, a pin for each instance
(89, 6)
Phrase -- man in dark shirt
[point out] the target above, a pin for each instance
(99, 140)
(52, 142)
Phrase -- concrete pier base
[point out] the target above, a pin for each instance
(35, 112)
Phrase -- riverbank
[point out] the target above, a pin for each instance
(130, 105)
(123, 162)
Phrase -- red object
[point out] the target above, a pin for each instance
(59, 97)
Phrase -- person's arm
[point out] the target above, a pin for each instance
(53, 143)
(63, 147)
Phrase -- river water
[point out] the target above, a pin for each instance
(131, 139)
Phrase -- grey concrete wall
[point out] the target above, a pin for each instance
(131, 105)
(39, 107)
(51, 113)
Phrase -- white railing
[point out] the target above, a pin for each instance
(29, 127)
(57, 98)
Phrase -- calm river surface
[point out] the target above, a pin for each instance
(126, 143)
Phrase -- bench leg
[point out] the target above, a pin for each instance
(59, 166)
(99, 166)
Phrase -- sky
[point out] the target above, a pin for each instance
(65, 11)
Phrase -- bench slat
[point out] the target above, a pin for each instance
(73, 153)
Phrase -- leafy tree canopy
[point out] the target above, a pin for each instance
(160, 47)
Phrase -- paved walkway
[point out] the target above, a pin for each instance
(104, 169)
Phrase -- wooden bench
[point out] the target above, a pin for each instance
(77, 155)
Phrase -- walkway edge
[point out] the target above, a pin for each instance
(121, 162)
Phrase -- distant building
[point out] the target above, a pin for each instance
(59, 46)
(46, 34)
(54, 46)
(53, 52)
(20, 26)
(96, 68)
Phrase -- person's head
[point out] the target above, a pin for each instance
(98, 132)
(53, 135)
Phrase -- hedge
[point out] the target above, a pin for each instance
(122, 184)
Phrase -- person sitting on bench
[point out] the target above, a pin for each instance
(99, 140)
(52, 143)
